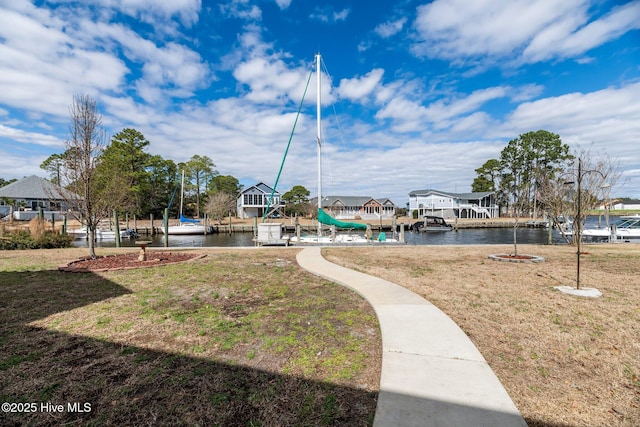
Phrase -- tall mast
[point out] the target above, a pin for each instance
(319, 135)
(181, 193)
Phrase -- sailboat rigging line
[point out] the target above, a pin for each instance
(172, 196)
(275, 185)
(370, 178)
(327, 159)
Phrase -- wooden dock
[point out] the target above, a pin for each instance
(145, 228)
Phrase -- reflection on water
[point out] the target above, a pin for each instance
(484, 236)
(475, 236)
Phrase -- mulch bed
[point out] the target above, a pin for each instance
(516, 258)
(127, 260)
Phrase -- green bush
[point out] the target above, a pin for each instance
(24, 240)
(54, 240)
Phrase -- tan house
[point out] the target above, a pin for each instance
(357, 207)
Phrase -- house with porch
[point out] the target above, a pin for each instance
(24, 198)
(453, 205)
(357, 207)
(253, 201)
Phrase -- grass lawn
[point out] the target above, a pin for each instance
(564, 360)
(238, 338)
(245, 337)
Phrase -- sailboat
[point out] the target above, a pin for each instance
(185, 226)
(323, 217)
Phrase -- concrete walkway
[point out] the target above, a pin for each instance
(432, 374)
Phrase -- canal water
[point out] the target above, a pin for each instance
(470, 236)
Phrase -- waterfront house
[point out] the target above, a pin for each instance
(357, 207)
(253, 201)
(27, 196)
(453, 205)
(627, 204)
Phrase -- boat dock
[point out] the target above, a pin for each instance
(146, 228)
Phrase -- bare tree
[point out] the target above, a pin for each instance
(92, 196)
(583, 184)
(219, 205)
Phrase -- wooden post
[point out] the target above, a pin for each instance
(153, 230)
(115, 220)
(393, 226)
(166, 227)
(255, 227)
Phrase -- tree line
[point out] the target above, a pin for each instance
(132, 180)
(99, 177)
(537, 174)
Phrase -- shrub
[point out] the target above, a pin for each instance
(50, 240)
(22, 239)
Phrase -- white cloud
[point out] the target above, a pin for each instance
(522, 30)
(526, 92)
(569, 39)
(466, 104)
(252, 43)
(37, 57)
(149, 11)
(329, 15)
(411, 116)
(242, 9)
(270, 80)
(283, 4)
(341, 15)
(170, 65)
(388, 29)
(20, 135)
(406, 115)
(456, 28)
(359, 88)
(41, 52)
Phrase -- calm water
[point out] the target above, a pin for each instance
(478, 236)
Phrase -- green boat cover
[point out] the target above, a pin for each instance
(327, 219)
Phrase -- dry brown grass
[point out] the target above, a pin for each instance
(37, 228)
(565, 360)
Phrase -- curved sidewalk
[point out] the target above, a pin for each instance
(432, 374)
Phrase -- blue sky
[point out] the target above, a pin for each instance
(416, 94)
